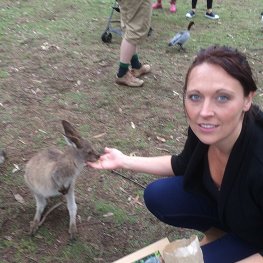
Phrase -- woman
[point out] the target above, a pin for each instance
(219, 173)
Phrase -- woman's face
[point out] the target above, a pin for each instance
(215, 105)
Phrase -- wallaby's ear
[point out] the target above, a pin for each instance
(71, 134)
(70, 130)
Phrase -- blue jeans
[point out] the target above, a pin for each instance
(167, 200)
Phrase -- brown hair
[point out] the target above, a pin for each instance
(231, 60)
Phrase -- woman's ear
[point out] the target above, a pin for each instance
(248, 100)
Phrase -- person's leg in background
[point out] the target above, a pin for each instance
(209, 12)
(157, 5)
(194, 3)
(173, 6)
(124, 76)
(191, 13)
(136, 18)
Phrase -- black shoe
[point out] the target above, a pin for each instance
(211, 15)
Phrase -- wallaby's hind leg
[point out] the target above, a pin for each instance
(41, 203)
(72, 209)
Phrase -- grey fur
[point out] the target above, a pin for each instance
(53, 172)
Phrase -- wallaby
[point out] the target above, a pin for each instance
(53, 172)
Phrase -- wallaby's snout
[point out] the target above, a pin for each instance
(89, 154)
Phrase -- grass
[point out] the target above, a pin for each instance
(107, 209)
(239, 25)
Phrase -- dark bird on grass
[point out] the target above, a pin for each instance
(181, 37)
(261, 15)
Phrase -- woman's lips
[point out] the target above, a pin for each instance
(207, 127)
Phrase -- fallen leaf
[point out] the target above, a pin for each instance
(42, 131)
(133, 125)
(123, 190)
(99, 135)
(21, 141)
(33, 92)
(162, 149)
(160, 139)
(16, 168)
(175, 93)
(135, 200)
(36, 81)
(108, 214)
(19, 198)
(39, 236)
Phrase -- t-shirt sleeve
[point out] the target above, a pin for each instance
(179, 162)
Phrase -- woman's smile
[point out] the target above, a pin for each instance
(207, 126)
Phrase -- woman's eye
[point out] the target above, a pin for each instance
(194, 97)
(222, 98)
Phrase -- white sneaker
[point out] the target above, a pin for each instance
(190, 14)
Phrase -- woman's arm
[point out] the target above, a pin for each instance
(115, 159)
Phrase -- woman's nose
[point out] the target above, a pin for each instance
(207, 109)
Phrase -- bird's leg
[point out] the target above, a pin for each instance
(181, 47)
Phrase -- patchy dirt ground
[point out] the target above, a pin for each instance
(44, 81)
(64, 71)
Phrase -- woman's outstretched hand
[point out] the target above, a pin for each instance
(111, 159)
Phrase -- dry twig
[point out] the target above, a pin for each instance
(127, 178)
(48, 212)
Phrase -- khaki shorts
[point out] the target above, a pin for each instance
(135, 19)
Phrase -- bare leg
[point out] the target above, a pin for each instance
(127, 51)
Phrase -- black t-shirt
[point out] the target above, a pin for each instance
(208, 182)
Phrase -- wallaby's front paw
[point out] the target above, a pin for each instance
(33, 227)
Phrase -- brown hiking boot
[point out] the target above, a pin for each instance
(144, 69)
(129, 80)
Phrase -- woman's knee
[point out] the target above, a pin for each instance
(161, 196)
(151, 194)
